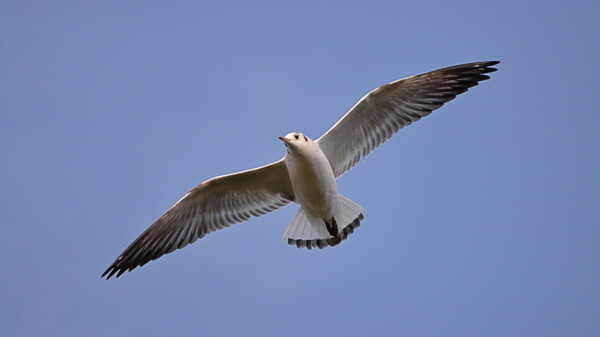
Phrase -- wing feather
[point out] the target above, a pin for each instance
(389, 108)
(210, 206)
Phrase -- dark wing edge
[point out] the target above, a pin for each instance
(215, 204)
(389, 108)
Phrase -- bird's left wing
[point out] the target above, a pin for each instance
(212, 205)
(389, 108)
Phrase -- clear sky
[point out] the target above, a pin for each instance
(482, 219)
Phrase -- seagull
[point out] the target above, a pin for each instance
(306, 174)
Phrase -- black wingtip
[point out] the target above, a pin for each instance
(484, 64)
(110, 271)
(482, 67)
(487, 67)
(115, 269)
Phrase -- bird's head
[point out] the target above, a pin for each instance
(296, 141)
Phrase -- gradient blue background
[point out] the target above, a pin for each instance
(482, 219)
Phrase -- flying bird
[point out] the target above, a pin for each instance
(306, 174)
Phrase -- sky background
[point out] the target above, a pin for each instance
(482, 219)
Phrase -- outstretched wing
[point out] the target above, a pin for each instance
(212, 205)
(389, 108)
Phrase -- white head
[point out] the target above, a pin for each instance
(296, 142)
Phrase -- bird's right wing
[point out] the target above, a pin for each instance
(212, 205)
(389, 108)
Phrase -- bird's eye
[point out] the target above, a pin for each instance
(296, 136)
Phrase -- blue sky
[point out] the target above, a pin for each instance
(482, 219)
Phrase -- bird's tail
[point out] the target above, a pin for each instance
(306, 231)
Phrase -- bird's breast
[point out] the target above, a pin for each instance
(314, 183)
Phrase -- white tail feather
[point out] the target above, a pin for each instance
(347, 211)
(308, 231)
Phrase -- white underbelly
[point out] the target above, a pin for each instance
(314, 185)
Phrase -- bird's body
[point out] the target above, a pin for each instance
(311, 176)
(306, 175)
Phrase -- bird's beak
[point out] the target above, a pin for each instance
(285, 140)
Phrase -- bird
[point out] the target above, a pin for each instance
(306, 175)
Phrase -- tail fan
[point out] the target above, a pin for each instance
(306, 231)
